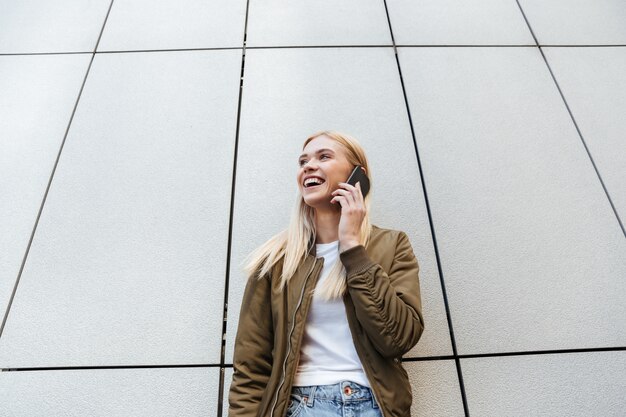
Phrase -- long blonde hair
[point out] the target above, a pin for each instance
(291, 245)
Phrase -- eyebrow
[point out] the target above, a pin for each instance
(318, 151)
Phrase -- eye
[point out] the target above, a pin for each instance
(301, 162)
(325, 155)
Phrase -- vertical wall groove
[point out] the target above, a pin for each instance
(56, 162)
(571, 115)
(457, 361)
(220, 402)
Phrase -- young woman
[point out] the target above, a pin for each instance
(331, 303)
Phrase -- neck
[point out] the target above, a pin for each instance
(327, 225)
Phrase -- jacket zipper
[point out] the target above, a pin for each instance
(365, 366)
(293, 325)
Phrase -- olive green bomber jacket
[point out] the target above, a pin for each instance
(384, 312)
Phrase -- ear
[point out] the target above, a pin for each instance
(364, 170)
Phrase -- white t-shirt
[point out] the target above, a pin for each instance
(327, 354)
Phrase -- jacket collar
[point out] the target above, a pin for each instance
(311, 249)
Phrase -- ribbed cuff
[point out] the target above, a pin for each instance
(355, 260)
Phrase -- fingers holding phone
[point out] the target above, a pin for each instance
(348, 195)
(351, 198)
(357, 177)
(352, 214)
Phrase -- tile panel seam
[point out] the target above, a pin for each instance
(50, 179)
(220, 385)
(404, 360)
(316, 46)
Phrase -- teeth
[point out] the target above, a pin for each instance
(310, 181)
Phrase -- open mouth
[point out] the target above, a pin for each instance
(313, 182)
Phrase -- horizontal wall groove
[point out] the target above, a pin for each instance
(312, 46)
(73, 368)
(419, 359)
(515, 353)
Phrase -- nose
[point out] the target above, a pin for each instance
(309, 166)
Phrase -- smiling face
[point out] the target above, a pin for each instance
(322, 166)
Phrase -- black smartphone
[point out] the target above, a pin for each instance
(358, 175)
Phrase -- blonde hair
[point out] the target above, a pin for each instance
(291, 245)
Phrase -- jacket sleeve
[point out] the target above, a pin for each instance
(388, 305)
(252, 359)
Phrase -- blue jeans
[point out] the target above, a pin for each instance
(344, 399)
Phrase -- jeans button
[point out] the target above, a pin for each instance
(347, 390)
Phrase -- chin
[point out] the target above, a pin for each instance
(312, 202)
(317, 201)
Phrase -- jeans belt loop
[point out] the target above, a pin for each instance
(309, 401)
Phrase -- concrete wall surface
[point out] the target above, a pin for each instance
(148, 146)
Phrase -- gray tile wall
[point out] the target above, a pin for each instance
(146, 147)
